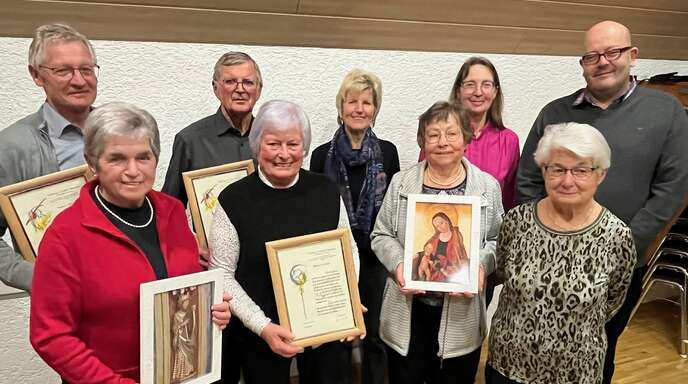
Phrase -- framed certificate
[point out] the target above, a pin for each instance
(203, 186)
(315, 285)
(179, 341)
(442, 243)
(30, 206)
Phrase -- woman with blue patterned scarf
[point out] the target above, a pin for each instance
(362, 166)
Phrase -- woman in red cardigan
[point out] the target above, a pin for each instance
(117, 235)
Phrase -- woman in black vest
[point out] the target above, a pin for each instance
(362, 166)
(276, 202)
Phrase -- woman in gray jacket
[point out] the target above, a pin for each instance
(434, 337)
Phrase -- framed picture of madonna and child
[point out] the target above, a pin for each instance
(442, 243)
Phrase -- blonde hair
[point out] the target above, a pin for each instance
(358, 80)
(50, 33)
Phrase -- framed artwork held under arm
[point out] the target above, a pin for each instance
(30, 206)
(203, 186)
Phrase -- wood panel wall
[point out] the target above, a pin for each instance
(543, 27)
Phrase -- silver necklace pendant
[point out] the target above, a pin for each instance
(150, 219)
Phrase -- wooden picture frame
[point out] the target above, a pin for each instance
(316, 288)
(179, 341)
(450, 224)
(203, 186)
(30, 206)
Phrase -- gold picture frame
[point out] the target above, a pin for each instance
(179, 343)
(30, 206)
(449, 219)
(315, 285)
(203, 186)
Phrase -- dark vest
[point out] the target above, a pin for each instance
(261, 214)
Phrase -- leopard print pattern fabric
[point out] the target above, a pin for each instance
(560, 288)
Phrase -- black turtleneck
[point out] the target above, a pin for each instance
(146, 238)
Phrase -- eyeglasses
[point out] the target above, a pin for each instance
(67, 73)
(248, 84)
(485, 86)
(579, 173)
(611, 55)
(433, 137)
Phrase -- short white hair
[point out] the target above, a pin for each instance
(279, 115)
(582, 140)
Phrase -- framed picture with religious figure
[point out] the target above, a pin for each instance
(180, 344)
(203, 186)
(442, 243)
(29, 207)
(316, 289)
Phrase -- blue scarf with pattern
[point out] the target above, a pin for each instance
(341, 155)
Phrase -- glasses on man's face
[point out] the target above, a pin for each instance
(433, 137)
(611, 55)
(579, 173)
(67, 73)
(485, 86)
(248, 84)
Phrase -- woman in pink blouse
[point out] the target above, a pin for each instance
(494, 148)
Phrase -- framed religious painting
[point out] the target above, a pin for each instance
(316, 290)
(29, 207)
(203, 186)
(180, 344)
(442, 243)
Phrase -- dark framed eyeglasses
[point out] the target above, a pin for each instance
(580, 173)
(248, 84)
(66, 73)
(610, 54)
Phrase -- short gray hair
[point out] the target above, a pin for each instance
(51, 33)
(236, 58)
(582, 140)
(118, 119)
(279, 115)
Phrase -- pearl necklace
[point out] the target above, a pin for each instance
(449, 183)
(150, 219)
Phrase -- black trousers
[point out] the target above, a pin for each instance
(615, 327)
(373, 352)
(230, 370)
(330, 363)
(492, 376)
(421, 364)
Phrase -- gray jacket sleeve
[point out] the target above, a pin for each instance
(14, 270)
(493, 222)
(669, 189)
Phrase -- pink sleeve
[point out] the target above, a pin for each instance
(55, 316)
(509, 188)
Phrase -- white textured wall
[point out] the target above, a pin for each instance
(173, 82)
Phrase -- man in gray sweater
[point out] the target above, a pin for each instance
(647, 131)
(63, 63)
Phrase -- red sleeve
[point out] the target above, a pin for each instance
(55, 316)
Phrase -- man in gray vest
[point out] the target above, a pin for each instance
(61, 61)
(647, 131)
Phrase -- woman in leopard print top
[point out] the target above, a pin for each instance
(566, 263)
